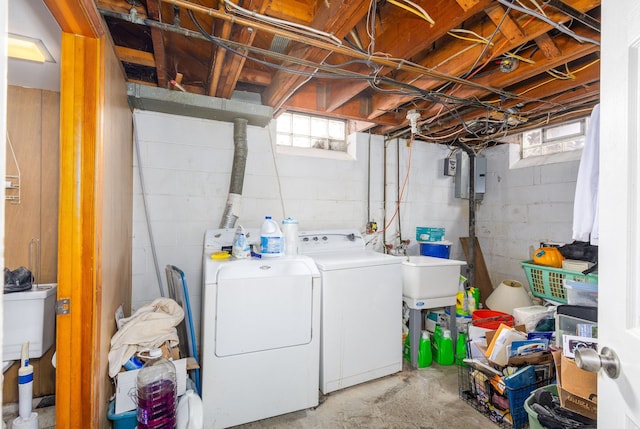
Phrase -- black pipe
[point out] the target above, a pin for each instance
(472, 212)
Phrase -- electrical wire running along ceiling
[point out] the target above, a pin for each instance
(474, 70)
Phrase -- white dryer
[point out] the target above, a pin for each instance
(361, 321)
(260, 342)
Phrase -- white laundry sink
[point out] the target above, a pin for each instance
(428, 277)
(29, 316)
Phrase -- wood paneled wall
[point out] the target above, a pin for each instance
(117, 215)
(33, 124)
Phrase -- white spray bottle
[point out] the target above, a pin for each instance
(26, 419)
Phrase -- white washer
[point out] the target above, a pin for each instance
(260, 342)
(361, 316)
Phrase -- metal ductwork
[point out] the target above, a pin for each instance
(145, 97)
(232, 208)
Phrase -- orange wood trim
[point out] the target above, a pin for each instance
(77, 17)
(78, 264)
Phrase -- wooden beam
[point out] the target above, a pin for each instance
(525, 71)
(77, 17)
(553, 93)
(400, 43)
(466, 4)
(153, 9)
(235, 63)
(441, 60)
(135, 56)
(308, 99)
(549, 47)
(337, 18)
(217, 62)
(82, 80)
(254, 77)
(507, 26)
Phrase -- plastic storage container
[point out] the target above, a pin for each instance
(439, 249)
(491, 319)
(533, 416)
(156, 393)
(271, 239)
(549, 283)
(571, 319)
(126, 420)
(29, 316)
(427, 234)
(579, 293)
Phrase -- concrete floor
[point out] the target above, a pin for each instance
(412, 399)
(421, 399)
(41, 406)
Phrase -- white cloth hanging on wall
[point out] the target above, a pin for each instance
(585, 204)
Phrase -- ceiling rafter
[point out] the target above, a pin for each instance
(476, 52)
(153, 10)
(384, 103)
(407, 46)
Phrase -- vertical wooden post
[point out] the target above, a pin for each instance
(79, 237)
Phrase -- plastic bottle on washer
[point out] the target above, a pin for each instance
(271, 240)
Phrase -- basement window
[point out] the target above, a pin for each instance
(307, 131)
(554, 139)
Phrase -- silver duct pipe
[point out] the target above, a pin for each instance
(232, 208)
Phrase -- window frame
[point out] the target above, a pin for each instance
(324, 140)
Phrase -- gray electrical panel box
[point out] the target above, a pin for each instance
(462, 176)
(450, 166)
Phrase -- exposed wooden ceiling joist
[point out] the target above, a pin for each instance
(369, 62)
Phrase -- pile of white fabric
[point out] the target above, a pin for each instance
(149, 327)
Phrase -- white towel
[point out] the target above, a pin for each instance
(149, 327)
(585, 205)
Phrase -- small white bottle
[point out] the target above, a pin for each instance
(290, 230)
(241, 249)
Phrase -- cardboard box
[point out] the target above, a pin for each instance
(577, 389)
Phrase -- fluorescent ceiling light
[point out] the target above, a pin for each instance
(27, 48)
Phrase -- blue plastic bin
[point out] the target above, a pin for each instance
(126, 420)
(438, 249)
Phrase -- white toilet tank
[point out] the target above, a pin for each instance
(29, 316)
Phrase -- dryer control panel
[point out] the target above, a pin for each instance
(336, 240)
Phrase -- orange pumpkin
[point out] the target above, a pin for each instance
(548, 256)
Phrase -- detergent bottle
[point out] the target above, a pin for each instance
(424, 352)
(445, 349)
(271, 240)
(435, 345)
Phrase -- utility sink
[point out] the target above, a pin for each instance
(430, 282)
(29, 316)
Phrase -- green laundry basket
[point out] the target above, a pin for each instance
(533, 416)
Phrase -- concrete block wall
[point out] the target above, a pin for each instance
(186, 165)
(428, 197)
(521, 208)
(187, 162)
